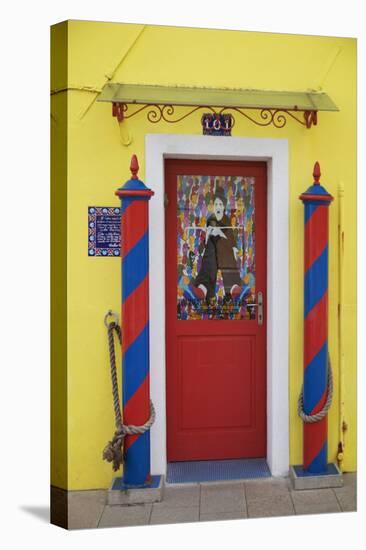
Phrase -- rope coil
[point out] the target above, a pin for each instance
(312, 418)
(113, 451)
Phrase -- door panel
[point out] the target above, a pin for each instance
(201, 362)
(216, 349)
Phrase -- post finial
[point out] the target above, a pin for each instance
(134, 167)
(316, 173)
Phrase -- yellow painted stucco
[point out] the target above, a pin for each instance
(94, 161)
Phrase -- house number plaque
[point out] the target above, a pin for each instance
(217, 124)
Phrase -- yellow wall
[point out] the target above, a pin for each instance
(97, 163)
(59, 205)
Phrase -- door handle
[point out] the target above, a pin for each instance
(259, 305)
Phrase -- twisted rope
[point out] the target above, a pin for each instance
(113, 451)
(312, 418)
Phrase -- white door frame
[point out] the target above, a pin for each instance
(275, 153)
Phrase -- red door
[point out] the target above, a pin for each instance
(215, 330)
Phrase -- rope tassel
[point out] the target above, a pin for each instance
(113, 451)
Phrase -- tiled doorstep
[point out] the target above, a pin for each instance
(212, 502)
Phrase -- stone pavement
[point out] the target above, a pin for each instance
(212, 501)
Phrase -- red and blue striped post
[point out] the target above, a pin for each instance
(316, 201)
(134, 197)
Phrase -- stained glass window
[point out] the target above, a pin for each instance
(215, 247)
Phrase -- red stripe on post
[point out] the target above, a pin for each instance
(315, 329)
(316, 235)
(319, 198)
(134, 193)
(135, 309)
(134, 224)
(137, 409)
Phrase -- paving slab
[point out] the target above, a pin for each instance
(174, 514)
(270, 506)
(125, 516)
(347, 498)
(85, 508)
(350, 480)
(320, 501)
(228, 497)
(266, 488)
(220, 516)
(212, 502)
(180, 496)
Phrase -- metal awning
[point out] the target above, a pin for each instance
(216, 99)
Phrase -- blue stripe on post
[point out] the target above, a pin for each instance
(135, 266)
(135, 364)
(125, 202)
(321, 459)
(316, 281)
(315, 379)
(138, 461)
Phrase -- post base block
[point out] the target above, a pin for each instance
(306, 480)
(120, 494)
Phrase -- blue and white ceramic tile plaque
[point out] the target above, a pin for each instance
(104, 231)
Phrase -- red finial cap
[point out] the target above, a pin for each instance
(316, 173)
(134, 167)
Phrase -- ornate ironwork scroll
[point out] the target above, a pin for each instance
(264, 117)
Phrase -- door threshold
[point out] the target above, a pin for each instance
(199, 471)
